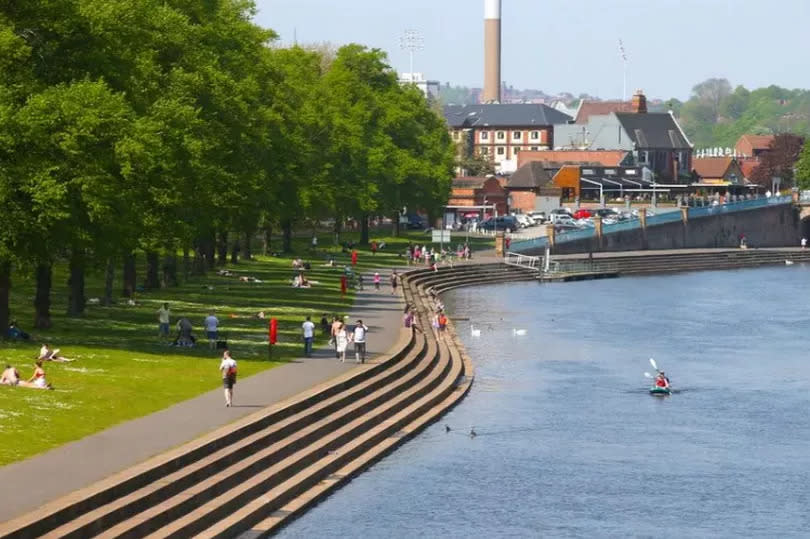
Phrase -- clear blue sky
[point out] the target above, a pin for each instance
(564, 45)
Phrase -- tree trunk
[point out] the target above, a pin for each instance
(364, 229)
(267, 238)
(395, 225)
(210, 250)
(222, 249)
(42, 299)
(5, 289)
(152, 271)
(170, 271)
(109, 278)
(76, 299)
(129, 276)
(186, 264)
(286, 237)
(247, 253)
(337, 230)
(235, 252)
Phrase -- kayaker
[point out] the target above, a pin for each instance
(662, 381)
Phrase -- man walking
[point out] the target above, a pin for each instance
(228, 369)
(359, 339)
(394, 278)
(309, 334)
(163, 320)
(212, 330)
(335, 328)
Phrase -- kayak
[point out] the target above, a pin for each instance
(660, 391)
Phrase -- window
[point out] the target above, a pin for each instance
(484, 135)
(535, 135)
(501, 135)
(588, 171)
(484, 151)
(501, 150)
(456, 135)
(517, 150)
(516, 134)
(534, 148)
(644, 157)
(610, 171)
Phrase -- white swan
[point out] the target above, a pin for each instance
(517, 332)
(475, 332)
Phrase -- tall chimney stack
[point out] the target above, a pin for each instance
(492, 52)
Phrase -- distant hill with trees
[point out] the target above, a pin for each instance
(717, 114)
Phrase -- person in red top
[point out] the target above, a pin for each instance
(343, 285)
(662, 381)
(354, 257)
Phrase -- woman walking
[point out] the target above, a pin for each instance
(342, 342)
(376, 280)
(394, 277)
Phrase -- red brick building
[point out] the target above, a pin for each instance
(479, 191)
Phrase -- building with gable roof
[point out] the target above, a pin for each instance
(502, 131)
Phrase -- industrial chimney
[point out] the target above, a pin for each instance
(492, 52)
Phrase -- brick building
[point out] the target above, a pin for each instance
(501, 132)
(472, 191)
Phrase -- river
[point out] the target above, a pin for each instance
(570, 444)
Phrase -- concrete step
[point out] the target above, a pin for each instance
(367, 447)
(272, 487)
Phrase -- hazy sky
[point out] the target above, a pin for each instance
(572, 45)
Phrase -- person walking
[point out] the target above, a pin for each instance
(376, 280)
(341, 342)
(164, 315)
(804, 243)
(394, 277)
(228, 370)
(354, 257)
(359, 337)
(212, 330)
(309, 335)
(344, 284)
(334, 331)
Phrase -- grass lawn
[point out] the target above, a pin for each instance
(123, 370)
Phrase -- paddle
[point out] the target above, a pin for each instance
(654, 365)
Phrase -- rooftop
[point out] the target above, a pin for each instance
(656, 130)
(503, 115)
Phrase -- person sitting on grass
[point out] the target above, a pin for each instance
(37, 379)
(184, 336)
(10, 376)
(46, 354)
(14, 333)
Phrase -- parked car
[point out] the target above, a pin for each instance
(538, 216)
(524, 220)
(503, 222)
(562, 218)
(416, 222)
(560, 211)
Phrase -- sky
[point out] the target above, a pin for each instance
(572, 45)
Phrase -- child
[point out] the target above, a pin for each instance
(376, 280)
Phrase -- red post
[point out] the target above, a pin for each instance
(272, 335)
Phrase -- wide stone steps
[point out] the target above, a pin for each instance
(268, 469)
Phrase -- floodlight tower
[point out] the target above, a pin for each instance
(411, 41)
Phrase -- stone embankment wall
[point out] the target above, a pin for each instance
(776, 226)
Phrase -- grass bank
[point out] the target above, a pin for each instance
(123, 370)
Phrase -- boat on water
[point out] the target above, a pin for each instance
(660, 391)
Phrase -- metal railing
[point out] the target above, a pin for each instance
(534, 263)
(654, 220)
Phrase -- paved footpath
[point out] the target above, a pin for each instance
(28, 484)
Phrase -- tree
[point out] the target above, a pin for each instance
(803, 167)
(779, 160)
(711, 93)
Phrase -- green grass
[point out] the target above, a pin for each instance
(124, 371)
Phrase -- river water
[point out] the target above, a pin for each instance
(570, 444)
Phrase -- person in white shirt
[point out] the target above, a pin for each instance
(211, 330)
(228, 369)
(309, 335)
(360, 330)
(163, 320)
(341, 341)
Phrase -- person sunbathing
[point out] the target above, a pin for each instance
(10, 376)
(37, 379)
(46, 354)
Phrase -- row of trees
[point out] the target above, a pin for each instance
(175, 128)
